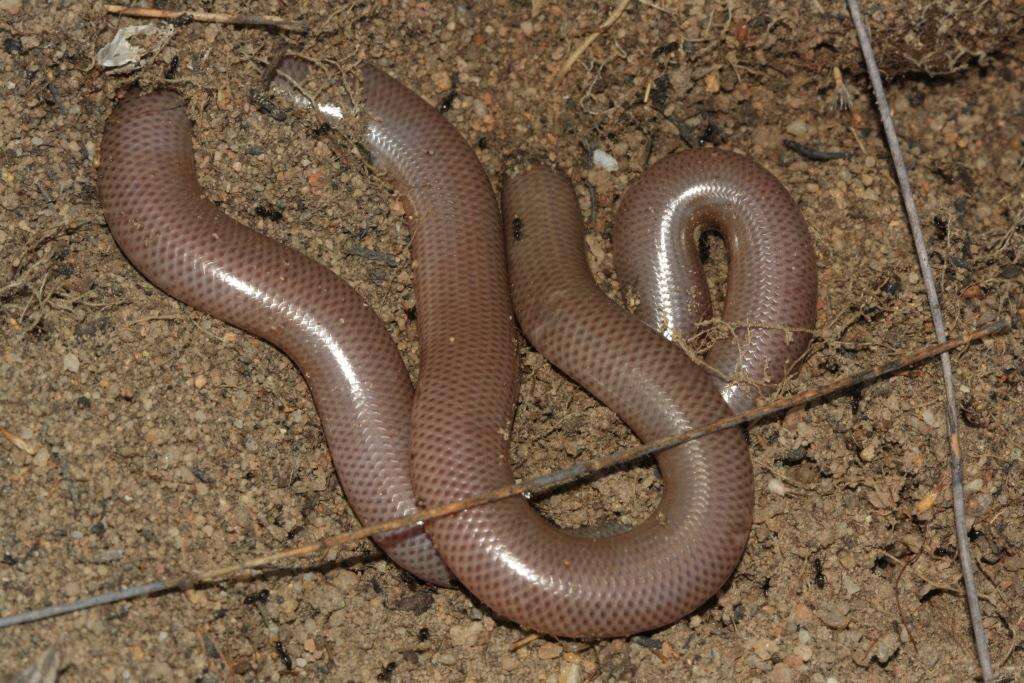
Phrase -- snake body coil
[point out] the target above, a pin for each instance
(449, 439)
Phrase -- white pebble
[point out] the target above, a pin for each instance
(797, 128)
(605, 161)
(42, 457)
(777, 487)
(71, 362)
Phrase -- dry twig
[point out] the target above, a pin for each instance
(955, 463)
(582, 47)
(531, 486)
(268, 20)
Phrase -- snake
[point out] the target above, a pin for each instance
(478, 268)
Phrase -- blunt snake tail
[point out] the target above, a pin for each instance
(394, 447)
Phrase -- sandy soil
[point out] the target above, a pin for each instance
(155, 440)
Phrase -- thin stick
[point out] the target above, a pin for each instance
(955, 463)
(582, 47)
(269, 20)
(18, 442)
(534, 485)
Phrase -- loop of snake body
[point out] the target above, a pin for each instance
(394, 447)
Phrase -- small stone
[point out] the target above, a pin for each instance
(973, 292)
(466, 634)
(793, 417)
(832, 618)
(569, 673)
(42, 457)
(417, 603)
(442, 81)
(804, 652)
(12, 6)
(446, 658)
(794, 457)
(888, 646)
(868, 453)
(711, 83)
(754, 662)
(199, 381)
(926, 503)
(777, 487)
(781, 674)
(763, 648)
(71, 362)
(108, 556)
(793, 662)
(605, 161)
(798, 128)
(802, 614)
(549, 651)
(344, 580)
(315, 178)
(527, 28)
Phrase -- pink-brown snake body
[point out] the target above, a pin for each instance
(393, 448)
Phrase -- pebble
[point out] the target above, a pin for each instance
(797, 128)
(763, 648)
(71, 362)
(868, 453)
(442, 81)
(777, 487)
(108, 556)
(570, 673)
(445, 658)
(888, 646)
(831, 617)
(781, 674)
(930, 418)
(756, 663)
(466, 634)
(344, 580)
(802, 614)
(605, 161)
(549, 651)
(712, 83)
